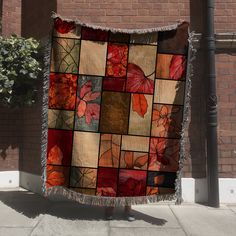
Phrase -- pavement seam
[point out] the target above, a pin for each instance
(109, 228)
(181, 225)
(134, 227)
(39, 221)
(232, 210)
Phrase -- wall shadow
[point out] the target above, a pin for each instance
(36, 17)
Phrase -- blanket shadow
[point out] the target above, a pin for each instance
(32, 205)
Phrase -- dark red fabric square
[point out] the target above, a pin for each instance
(132, 183)
(107, 182)
(59, 147)
(114, 84)
(92, 34)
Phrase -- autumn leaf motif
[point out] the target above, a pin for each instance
(163, 155)
(159, 180)
(109, 150)
(85, 106)
(132, 162)
(157, 151)
(177, 67)
(137, 81)
(63, 27)
(152, 190)
(163, 118)
(117, 60)
(54, 177)
(106, 191)
(55, 156)
(139, 104)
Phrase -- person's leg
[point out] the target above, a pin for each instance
(129, 215)
(109, 212)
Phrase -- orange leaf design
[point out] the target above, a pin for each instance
(139, 104)
(55, 178)
(141, 161)
(55, 156)
(177, 67)
(81, 108)
(109, 150)
(129, 156)
(159, 179)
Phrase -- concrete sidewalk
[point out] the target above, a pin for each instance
(24, 213)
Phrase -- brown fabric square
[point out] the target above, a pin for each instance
(114, 112)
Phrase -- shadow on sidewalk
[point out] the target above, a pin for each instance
(32, 205)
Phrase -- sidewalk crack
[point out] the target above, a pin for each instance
(180, 224)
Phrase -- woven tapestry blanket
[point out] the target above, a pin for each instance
(115, 103)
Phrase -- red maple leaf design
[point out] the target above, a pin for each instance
(62, 26)
(137, 81)
(177, 67)
(85, 106)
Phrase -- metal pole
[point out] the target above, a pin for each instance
(212, 146)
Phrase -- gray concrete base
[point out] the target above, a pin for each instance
(25, 213)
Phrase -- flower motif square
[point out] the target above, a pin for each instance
(117, 58)
(88, 103)
(164, 154)
(62, 91)
(167, 120)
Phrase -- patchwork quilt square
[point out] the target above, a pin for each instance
(116, 103)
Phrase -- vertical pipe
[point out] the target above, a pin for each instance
(212, 146)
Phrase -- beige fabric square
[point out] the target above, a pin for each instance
(145, 57)
(135, 143)
(139, 124)
(169, 92)
(93, 58)
(85, 149)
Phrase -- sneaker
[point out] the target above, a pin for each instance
(130, 218)
(110, 217)
(109, 213)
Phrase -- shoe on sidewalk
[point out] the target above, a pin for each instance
(109, 213)
(129, 216)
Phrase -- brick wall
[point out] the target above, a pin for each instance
(10, 139)
(11, 17)
(225, 16)
(141, 14)
(226, 91)
(126, 13)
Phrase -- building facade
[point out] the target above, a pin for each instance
(20, 134)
